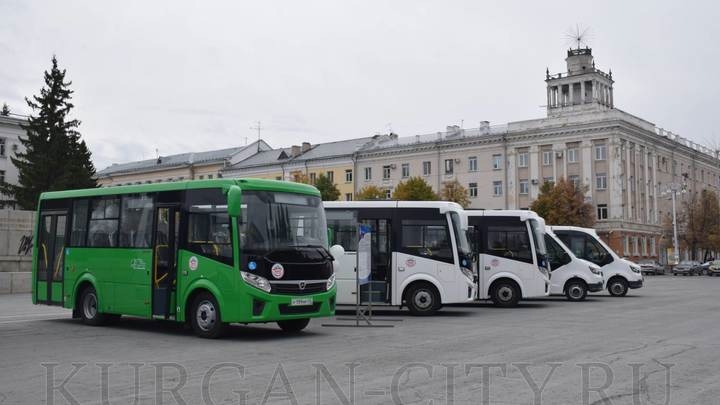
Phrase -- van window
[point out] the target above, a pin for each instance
(556, 254)
(585, 247)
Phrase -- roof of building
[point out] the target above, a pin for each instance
(320, 151)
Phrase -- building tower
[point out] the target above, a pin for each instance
(582, 88)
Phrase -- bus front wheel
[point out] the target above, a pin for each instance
(293, 325)
(505, 294)
(422, 299)
(205, 319)
(89, 308)
(618, 287)
(576, 291)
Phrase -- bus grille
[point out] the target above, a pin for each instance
(294, 288)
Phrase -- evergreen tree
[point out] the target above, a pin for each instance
(370, 193)
(5, 110)
(455, 192)
(562, 203)
(414, 189)
(328, 190)
(55, 158)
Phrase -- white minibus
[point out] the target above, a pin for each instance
(619, 274)
(570, 275)
(420, 257)
(511, 260)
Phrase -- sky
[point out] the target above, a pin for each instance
(175, 76)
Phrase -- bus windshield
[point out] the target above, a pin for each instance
(538, 236)
(460, 235)
(274, 220)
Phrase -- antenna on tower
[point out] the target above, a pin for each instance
(259, 128)
(578, 36)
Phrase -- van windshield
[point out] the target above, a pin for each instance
(538, 234)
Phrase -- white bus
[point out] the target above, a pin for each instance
(511, 258)
(420, 257)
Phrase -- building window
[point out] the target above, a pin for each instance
(626, 245)
(210, 176)
(472, 190)
(405, 170)
(313, 178)
(548, 180)
(600, 151)
(600, 181)
(386, 172)
(472, 164)
(368, 173)
(348, 197)
(524, 186)
(497, 188)
(602, 211)
(497, 162)
(643, 245)
(2, 176)
(331, 176)
(278, 178)
(572, 155)
(653, 252)
(449, 166)
(427, 168)
(2, 147)
(547, 157)
(201, 177)
(348, 176)
(522, 159)
(388, 193)
(636, 250)
(574, 180)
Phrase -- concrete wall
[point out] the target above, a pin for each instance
(15, 268)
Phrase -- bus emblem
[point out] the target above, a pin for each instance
(277, 270)
(193, 263)
(301, 285)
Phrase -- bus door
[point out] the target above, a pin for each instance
(51, 257)
(381, 262)
(164, 270)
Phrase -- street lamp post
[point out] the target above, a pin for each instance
(673, 189)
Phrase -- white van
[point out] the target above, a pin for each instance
(511, 259)
(619, 274)
(571, 276)
(420, 257)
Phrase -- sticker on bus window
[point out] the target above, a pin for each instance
(193, 263)
(277, 270)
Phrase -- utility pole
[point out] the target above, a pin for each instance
(259, 128)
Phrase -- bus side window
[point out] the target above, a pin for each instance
(343, 225)
(136, 222)
(79, 223)
(104, 222)
(427, 238)
(510, 241)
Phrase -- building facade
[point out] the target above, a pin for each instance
(10, 133)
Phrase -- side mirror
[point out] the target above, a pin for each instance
(234, 201)
(337, 251)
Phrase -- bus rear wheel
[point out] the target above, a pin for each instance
(89, 308)
(205, 317)
(505, 294)
(422, 299)
(293, 325)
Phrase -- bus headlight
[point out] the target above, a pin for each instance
(596, 270)
(256, 281)
(330, 282)
(468, 273)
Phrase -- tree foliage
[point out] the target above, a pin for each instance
(562, 203)
(328, 189)
(414, 189)
(455, 192)
(370, 192)
(699, 224)
(55, 158)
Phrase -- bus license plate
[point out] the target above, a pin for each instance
(299, 302)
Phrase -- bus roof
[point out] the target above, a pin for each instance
(572, 228)
(522, 214)
(245, 184)
(443, 206)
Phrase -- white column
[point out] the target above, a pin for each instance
(655, 188)
(587, 172)
(571, 91)
(534, 162)
(548, 98)
(646, 155)
(615, 185)
(512, 190)
(582, 92)
(628, 199)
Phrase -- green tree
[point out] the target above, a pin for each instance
(328, 189)
(414, 189)
(699, 224)
(455, 192)
(55, 158)
(370, 193)
(562, 203)
(5, 110)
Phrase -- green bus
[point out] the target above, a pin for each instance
(206, 252)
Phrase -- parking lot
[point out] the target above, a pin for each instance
(662, 340)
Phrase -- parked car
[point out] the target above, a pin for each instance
(687, 268)
(651, 267)
(714, 269)
(705, 267)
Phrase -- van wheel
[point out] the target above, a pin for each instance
(293, 325)
(618, 287)
(205, 317)
(89, 308)
(422, 299)
(576, 291)
(505, 294)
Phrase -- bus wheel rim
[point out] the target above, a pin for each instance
(90, 306)
(505, 293)
(423, 299)
(576, 291)
(206, 316)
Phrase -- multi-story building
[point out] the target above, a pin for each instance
(10, 132)
(626, 162)
(184, 166)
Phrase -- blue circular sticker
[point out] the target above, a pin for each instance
(252, 265)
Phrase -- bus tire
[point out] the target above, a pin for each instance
(293, 325)
(505, 293)
(422, 299)
(617, 287)
(205, 317)
(89, 307)
(576, 290)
